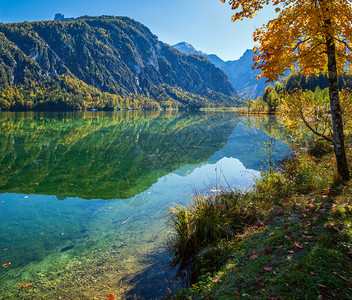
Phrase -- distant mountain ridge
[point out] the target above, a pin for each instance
(117, 55)
(240, 72)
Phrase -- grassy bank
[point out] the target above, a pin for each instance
(288, 238)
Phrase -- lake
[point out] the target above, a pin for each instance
(84, 195)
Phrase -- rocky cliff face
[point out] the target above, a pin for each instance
(240, 72)
(243, 77)
(115, 54)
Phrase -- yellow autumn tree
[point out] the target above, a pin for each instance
(315, 35)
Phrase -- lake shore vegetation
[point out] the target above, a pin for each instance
(288, 237)
(276, 94)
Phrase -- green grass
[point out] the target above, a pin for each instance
(298, 247)
(204, 232)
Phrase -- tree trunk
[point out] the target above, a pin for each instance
(338, 136)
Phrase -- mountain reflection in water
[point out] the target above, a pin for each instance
(104, 155)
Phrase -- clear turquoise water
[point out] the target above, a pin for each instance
(83, 195)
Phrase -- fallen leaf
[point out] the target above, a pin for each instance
(291, 251)
(298, 245)
(110, 297)
(267, 252)
(342, 277)
(307, 236)
(24, 284)
(268, 268)
(254, 255)
(6, 264)
(217, 280)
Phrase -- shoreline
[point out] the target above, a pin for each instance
(292, 220)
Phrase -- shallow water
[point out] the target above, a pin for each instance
(83, 195)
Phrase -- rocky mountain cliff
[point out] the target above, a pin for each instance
(114, 54)
(240, 72)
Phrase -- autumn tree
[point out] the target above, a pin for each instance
(249, 104)
(316, 36)
(270, 98)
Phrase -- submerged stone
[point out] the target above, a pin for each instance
(67, 248)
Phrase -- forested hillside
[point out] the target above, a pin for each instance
(73, 64)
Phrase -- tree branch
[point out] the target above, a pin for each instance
(310, 127)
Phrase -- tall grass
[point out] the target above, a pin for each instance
(204, 231)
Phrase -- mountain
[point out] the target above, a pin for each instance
(240, 72)
(189, 49)
(114, 55)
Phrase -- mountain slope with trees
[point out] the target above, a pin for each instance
(115, 55)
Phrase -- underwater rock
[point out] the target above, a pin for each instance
(67, 248)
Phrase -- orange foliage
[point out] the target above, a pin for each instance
(299, 35)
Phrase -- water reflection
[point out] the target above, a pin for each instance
(103, 155)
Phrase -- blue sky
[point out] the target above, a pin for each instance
(206, 24)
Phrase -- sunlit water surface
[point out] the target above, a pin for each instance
(84, 195)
